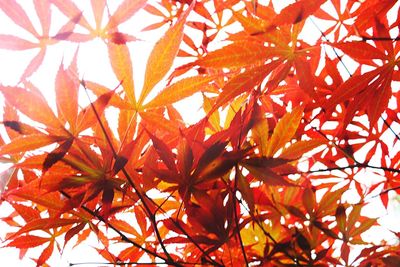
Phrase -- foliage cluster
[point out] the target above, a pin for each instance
(291, 128)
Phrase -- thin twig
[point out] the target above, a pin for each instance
(122, 235)
(147, 208)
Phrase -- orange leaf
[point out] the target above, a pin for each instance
(179, 90)
(159, 121)
(243, 82)
(27, 143)
(297, 12)
(124, 11)
(115, 101)
(45, 255)
(284, 130)
(88, 116)
(237, 54)
(305, 76)
(45, 224)
(360, 50)
(350, 88)
(163, 55)
(27, 241)
(66, 88)
(121, 63)
(260, 133)
(32, 104)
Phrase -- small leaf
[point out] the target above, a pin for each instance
(297, 12)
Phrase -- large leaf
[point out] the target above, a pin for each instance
(163, 55)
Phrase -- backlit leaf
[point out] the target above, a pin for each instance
(124, 11)
(15, 43)
(163, 55)
(27, 241)
(32, 104)
(179, 90)
(120, 59)
(284, 130)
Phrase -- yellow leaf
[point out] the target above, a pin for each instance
(260, 135)
(284, 130)
(297, 150)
